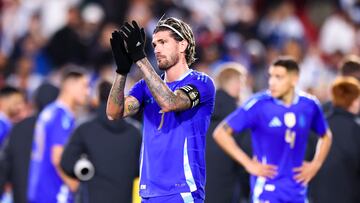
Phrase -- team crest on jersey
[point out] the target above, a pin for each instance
(290, 119)
(193, 95)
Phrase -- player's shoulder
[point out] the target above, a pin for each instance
(307, 98)
(48, 112)
(200, 76)
(57, 113)
(257, 99)
(196, 77)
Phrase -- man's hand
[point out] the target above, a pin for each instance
(134, 38)
(306, 172)
(122, 60)
(254, 167)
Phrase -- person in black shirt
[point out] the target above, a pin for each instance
(339, 178)
(113, 147)
(222, 171)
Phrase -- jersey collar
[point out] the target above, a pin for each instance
(280, 102)
(180, 78)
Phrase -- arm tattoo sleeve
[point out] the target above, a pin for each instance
(132, 106)
(115, 104)
(117, 90)
(166, 99)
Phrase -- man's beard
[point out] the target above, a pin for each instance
(166, 64)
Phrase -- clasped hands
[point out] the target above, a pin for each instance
(128, 46)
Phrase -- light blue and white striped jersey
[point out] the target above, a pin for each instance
(279, 137)
(173, 149)
(53, 127)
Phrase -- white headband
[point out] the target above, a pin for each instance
(173, 29)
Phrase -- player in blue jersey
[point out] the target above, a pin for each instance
(280, 120)
(12, 106)
(47, 182)
(177, 108)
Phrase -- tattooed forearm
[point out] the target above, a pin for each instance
(132, 106)
(115, 105)
(166, 99)
(117, 90)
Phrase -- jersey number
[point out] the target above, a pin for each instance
(290, 138)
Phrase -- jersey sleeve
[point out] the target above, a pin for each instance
(318, 124)
(243, 117)
(206, 88)
(138, 91)
(61, 129)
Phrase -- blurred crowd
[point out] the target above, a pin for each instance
(39, 38)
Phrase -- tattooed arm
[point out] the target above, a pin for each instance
(223, 137)
(166, 99)
(119, 106)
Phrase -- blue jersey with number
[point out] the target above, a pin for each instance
(279, 137)
(53, 128)
(173, 148)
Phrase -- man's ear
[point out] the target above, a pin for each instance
(183, 45)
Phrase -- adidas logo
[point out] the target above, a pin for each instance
(275, 122)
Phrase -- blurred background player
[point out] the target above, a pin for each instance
(350, 66)
(280, 120)
(53, 128)
(15, 156)
(113, 147)
(339, 179)
(222, 172)
(12, 110)
(177, 109)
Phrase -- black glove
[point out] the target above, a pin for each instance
(122, 60)
(134, 38)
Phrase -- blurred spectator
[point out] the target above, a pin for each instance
(350, 66)
(337, 34)
(101, 139)
(221, 170)
(12, 109)
(54, 14)
(206, 15)
(281, 23)
(24, 77)
(67, 46)
(315, 77)
(53, 128)
(10, 16)
(3, 65)
(258, 66)
(115, 11)
(15, 156)
(31, 45)
(101, 52)
(339, 180)
(93, 15)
